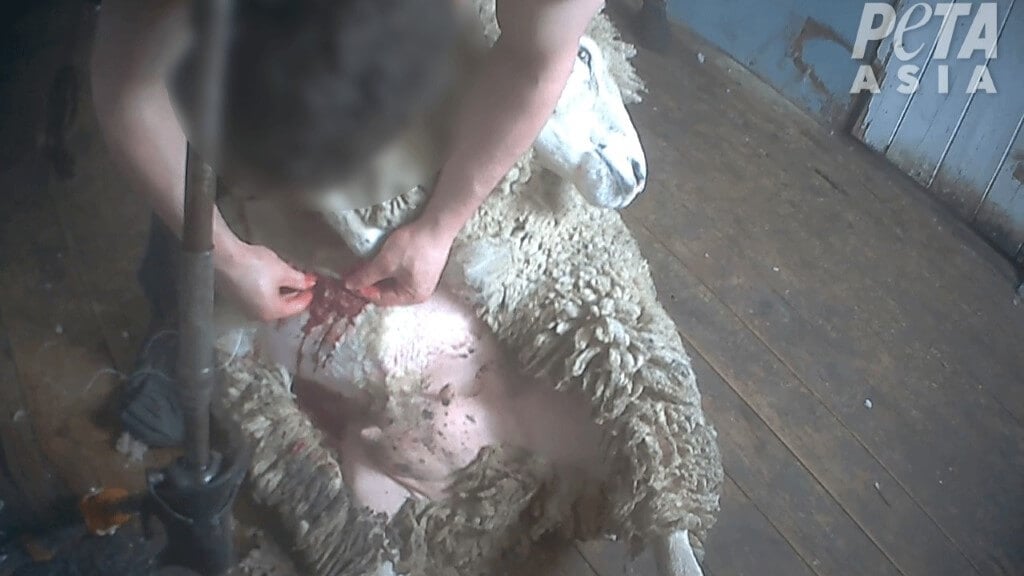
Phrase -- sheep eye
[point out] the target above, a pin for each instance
(584, 56)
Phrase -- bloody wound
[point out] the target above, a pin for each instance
(335, 307)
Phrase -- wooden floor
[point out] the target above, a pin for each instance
(859, 351)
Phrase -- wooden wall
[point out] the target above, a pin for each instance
(965, 147)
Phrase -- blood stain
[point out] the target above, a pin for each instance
(333, 308)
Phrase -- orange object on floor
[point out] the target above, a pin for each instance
(106, 511)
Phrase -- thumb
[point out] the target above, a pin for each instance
(294, 304)
(393, 296)
(295, 280)
(366, 275)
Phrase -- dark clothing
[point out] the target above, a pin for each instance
(158, 274)
(150, 409)
(158, 271)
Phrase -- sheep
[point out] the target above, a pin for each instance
(556, 277)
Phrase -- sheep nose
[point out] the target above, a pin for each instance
(639, 172)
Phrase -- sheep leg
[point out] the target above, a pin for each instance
(385, 568)
(674, 555)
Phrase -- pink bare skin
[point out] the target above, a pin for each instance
(461, 393)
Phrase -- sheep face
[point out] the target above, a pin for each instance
(590, 139)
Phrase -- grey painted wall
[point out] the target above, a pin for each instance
(803, 48)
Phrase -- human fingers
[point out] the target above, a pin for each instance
(294, 280)
(391, 298)
(371, 292)
(368, 274)
(397, 294)
(292, 304)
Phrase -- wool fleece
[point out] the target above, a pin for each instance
(564, 286)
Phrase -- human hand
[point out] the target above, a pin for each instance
(407, 268)
(267, 286)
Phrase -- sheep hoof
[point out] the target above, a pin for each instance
(675, 557)
(385, 568)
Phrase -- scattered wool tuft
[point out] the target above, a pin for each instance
(128, 446)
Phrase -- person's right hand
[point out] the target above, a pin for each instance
(267, 286)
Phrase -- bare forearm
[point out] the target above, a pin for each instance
(515, 94)
(134, 44)
(504, 112)
(149, 147)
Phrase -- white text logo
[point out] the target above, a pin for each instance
(879, 21)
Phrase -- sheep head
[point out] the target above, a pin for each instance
(590, 139)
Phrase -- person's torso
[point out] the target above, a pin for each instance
(296, 227)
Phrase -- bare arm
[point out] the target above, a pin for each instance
(519, 86)
(517, 90)
(136, 43)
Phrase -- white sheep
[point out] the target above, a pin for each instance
(556, 278)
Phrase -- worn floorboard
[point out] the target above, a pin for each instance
(750, 543)
(836, 295)
(814, 526)
(849, 538)
(611, 559)
(47, 287)
(768, 167)
(63, 365)
(105, 224)
(556, 559)
(31, 491)
(745, 543)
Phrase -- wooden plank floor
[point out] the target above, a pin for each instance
(857, 348)
(860, 348)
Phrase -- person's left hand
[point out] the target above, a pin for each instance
(407, 268)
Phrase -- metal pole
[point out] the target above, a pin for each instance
(195, 293)
(196, 367)
(193, 497)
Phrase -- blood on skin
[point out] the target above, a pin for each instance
(333, 307)
(411, 395)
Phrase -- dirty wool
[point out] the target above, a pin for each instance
(564, 288)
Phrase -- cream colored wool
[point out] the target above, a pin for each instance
(499, 505)
(565, 285)
(293, 472)
(596, 326)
